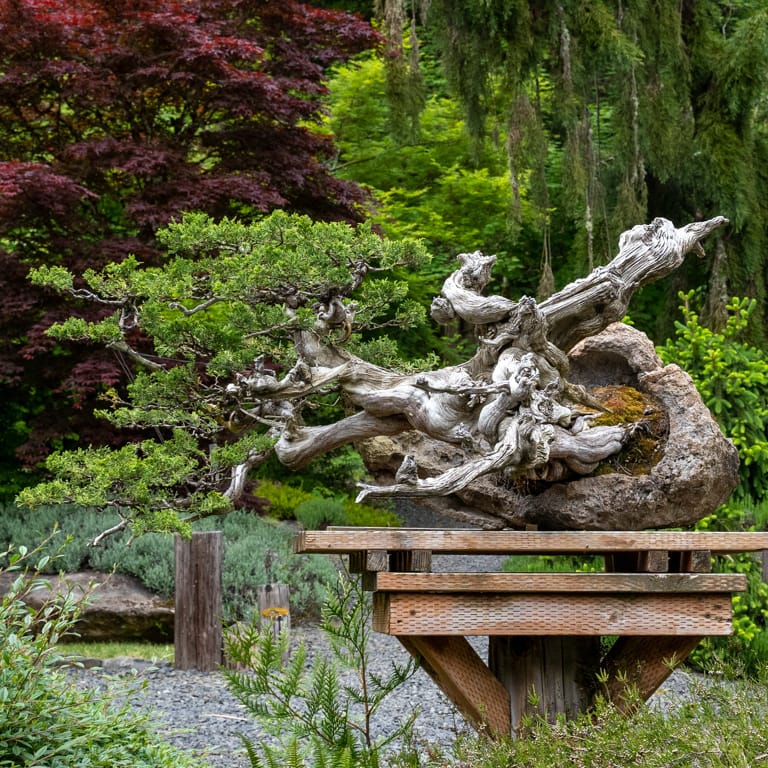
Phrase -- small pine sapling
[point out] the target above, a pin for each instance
(318, 715)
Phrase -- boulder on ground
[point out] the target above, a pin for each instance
(120, 608)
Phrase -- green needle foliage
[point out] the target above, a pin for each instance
(232, 299)
(313, 715)
(732, 377)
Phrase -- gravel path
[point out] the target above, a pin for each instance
(195, 710)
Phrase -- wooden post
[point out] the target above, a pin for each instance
(274, 608)
(548, 675)
(197, 634)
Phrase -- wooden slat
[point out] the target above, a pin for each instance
(373, 560)
(465, 679)
(642, 664)
(459, 541)
(561, 582)
(408, 613)
(411, 560)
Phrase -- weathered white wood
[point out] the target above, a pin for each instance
(341, 540)
(646, 253)
(511, 407)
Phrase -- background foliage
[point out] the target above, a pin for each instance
(256, 551)
(605, 116)
(46, 721)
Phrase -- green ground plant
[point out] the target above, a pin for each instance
(320, 505)
(45, 721)
(716, 726)
(319, 512)
(153, 652)
(312, 714)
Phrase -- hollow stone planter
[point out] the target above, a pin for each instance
(697, 471)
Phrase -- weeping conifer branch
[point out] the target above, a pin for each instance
(404, 85)
(546, 286)
(715, 310)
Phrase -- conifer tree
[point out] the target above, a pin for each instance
(613, 113)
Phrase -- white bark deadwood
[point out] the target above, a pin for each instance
(511, 406)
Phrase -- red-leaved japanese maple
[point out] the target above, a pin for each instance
(118, 115)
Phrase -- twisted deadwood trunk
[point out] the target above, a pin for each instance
(509, 412)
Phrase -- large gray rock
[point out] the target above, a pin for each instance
(699, 466)
(697, 471)
(120, 608)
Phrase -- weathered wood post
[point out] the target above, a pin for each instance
(197, 633)
(275, 611)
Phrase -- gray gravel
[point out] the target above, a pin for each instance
(195, 710)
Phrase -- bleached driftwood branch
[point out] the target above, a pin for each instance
(511, 406)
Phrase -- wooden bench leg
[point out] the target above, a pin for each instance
(464, 678)
(546, 675)
(643, 663)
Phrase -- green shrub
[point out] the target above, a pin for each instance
(82, 525)
(368, 516)
(318, 512)
(256, 551)
(282, 499)
(45, 720)
(149, 558)
(553, 563)
(260, 552)
(732, 379)
(720, 725)
(313, 717)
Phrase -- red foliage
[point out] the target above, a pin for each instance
(118, 115)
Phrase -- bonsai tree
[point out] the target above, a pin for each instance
(234, 304)
(246, 327)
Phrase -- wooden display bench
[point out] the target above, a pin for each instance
(657, 595)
